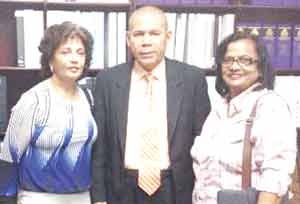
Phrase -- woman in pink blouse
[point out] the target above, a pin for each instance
(244, 76)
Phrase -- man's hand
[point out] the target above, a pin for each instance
(268, 198)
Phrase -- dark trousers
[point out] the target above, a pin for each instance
(134, 195)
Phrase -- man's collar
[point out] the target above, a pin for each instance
(158, 72)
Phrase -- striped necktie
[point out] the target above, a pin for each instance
(149, 169)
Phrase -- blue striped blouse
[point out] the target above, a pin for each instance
(48, 142)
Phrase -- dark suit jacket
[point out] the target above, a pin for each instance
(187, 107)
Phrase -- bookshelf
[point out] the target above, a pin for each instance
(8, 20)
(243, 12)
(278, 14)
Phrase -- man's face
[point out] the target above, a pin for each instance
(147, 39)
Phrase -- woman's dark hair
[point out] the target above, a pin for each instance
(264, 65)
(57, 34)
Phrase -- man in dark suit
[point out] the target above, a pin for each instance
(181, 106)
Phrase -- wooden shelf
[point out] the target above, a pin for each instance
(93, 72)
(268, 14)
(13, 68)
(65, 2)
(230, 8)
(82, 5)
(15, 4)
(89, 5)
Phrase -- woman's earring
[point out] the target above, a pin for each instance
(51, 68)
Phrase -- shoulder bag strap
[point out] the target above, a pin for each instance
(298, 156)
(247, 150)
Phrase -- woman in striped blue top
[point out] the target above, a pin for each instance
(46, 151)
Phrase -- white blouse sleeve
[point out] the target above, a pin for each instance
(275, 149)
(20, 128)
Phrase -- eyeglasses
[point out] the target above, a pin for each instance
(241, 60)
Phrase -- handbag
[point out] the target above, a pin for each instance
(248, 194)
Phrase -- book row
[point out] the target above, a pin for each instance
(194, 35)
(281, 40)
(107, 28)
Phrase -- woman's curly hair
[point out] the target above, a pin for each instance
(57, 34)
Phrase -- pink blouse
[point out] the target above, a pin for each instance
(217, 152)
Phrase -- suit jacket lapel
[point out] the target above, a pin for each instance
(174, 94)
(122, 84)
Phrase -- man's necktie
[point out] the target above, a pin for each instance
(149, 170)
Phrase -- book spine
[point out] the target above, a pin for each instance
(268, 37)
(3, 103)
(20, 41)
(284, 46)
(296, 48)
